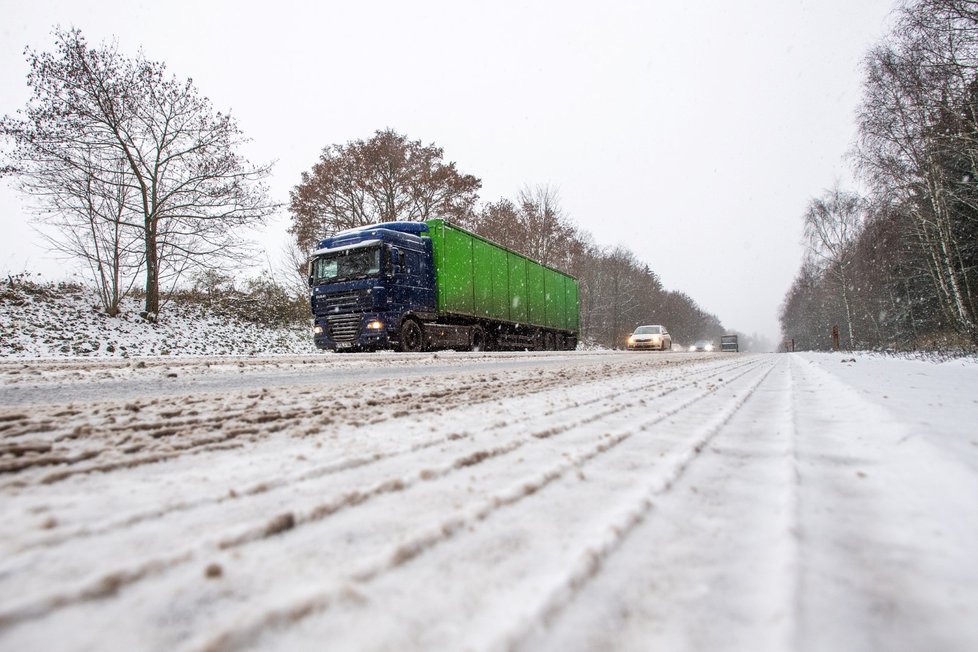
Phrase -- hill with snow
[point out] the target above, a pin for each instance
(44, 320)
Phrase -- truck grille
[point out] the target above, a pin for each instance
(339, 302)
(344, 328)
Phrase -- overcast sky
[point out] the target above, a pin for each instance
(692, 133)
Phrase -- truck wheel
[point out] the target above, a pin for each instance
(477, 339)
(412, 336)
(548, 342)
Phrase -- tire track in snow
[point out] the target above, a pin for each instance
(887, 525)
(267, 484)
(164, 437)
(796, 585)
(711, 564)
(127, 575)
(240, 635)
(187, 378)
(589, 562)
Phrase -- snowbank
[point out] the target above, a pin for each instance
(64, 320)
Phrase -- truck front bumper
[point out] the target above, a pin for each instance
(357, 332)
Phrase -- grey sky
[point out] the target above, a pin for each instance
(692, 133)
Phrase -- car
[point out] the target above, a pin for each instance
(702, 345)
(650, 337)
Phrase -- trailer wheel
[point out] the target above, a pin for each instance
(412, 336)
(477, 339)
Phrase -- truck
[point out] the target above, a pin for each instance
(416, 286)
(729, 344)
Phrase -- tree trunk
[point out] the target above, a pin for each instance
(152, 273)
(845, 302)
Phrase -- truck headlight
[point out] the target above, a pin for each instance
(318, 330)
(375, 325)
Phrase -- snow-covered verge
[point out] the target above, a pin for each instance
(561, 501)
(64, 320)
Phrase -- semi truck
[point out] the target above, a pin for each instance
(729, 344)
(416, 286)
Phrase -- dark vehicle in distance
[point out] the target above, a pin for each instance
(702, 345)
(650, 338)
(729, 344)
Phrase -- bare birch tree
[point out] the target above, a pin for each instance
(832, 225)
(919, 142)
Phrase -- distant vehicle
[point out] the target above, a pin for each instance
(728, 344)
(702, 345)
(650, 338)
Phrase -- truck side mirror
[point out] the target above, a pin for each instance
(397, 261)
(309, 274)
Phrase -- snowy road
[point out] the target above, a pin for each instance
(581, 501)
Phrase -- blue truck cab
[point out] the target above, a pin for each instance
(366, 282)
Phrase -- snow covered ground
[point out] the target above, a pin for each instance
(549, 501)
(48, 320)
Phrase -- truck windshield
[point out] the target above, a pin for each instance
(347, 265)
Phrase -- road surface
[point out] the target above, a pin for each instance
(549, 501)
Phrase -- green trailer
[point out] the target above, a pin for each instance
(478, 279)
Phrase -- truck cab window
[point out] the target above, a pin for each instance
(347, 265)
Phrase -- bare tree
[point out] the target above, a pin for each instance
(832, 225)
(907, 275)
(383, 179)
(620, 295)
(534, 225)
(582, 266)
(501, 222)
(801, 317)
(919, 142)
(548, 230)
(89, 213)
(293, 270)
(182, 182)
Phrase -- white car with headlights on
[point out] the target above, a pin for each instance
(650, 338)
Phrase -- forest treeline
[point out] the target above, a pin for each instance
(141, 179)
(896, 268)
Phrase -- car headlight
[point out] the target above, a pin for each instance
(631, 339)
(709, 347)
